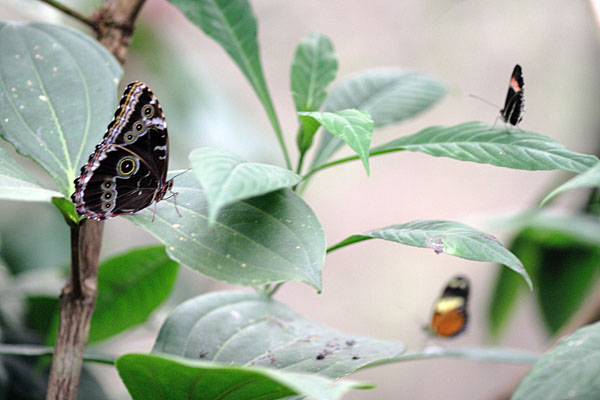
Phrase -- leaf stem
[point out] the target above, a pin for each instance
(75, 14)
(278, 132)
(275, 289)
(347, 159)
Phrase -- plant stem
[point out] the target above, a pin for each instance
(345, 160)
(75, 269)
(114, 28)
(278, 132)
(275, 289)
(70, 12)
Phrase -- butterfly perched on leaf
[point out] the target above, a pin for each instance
(450, 309)
(128, 170)
(512, 112)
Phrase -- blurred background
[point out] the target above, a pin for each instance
(374, 288)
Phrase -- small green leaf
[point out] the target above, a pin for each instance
(314, 67)
(248, 328)
(352, 126)
(571, 370)
(130, 287)
(149, 375)
(481, 143)
(67, 209)
(272, 238)
(17, 184)
(447, 237)
(226, 178)
(589, 178)
(57, 95)
(389, 95)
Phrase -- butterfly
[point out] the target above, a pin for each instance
(513, 105)
(450, 310)
(128, 170)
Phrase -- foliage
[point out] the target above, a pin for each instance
(245, 223)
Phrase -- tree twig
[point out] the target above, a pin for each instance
(70, 12)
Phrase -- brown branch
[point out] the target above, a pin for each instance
(71, 12)
(114, 27)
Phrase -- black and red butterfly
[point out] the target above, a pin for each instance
(128, 170)
(450, 315)
(513, 105)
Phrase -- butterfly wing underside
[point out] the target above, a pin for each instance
(128, 169)
(513, 105)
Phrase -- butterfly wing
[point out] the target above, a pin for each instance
(513, 105)
(128, 169)
(450, 310)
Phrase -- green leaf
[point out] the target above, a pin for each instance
(562, 254)
(446, 237)
(252, 329)
(130, 287)
(508, 286)
(17, 184)
(571, 370)
(57, 95)
(352, 126)
(233, 25)
(389, 95)
(272, 238)
(481, 143)
(148, 376)
(314, 67)
(67, 209)
(39, 312)
(589, 178)
(226, 178)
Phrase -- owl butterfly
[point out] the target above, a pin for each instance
(450, 310)
(128, 170)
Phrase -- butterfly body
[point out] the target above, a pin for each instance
(127, 171)
(450, 315)
(512, 112)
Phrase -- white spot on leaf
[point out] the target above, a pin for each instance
(436, 243)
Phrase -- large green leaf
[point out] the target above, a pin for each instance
(352, 126)
(130, 287)
(233, 25)
(17, 184)
(57, 95)
(590, 178)
(481, 143)
(252, 329)
(571, 370)
(389, 95)
(562, 254)
(272, 238)
(151, 376)
(447, 237)
(226, 178)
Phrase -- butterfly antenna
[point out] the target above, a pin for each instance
(181, 173)
(485, 101)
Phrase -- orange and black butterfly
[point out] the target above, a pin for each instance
(450, 310)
